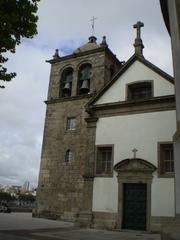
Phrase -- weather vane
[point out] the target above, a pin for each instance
(93, 22)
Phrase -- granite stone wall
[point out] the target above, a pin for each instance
(65, 188)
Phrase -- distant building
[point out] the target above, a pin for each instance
(25, 187)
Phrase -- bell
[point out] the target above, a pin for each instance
(85, 87)
(67, 88)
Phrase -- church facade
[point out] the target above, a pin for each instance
(107, 155)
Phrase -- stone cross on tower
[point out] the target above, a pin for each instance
(138, 25)
(93, 21)
(138, 41)
(134, 151)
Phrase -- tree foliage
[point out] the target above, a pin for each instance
(22, 197)
(18, 20)
(26, 197)
(5, 196)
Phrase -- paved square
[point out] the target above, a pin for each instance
(21, 226)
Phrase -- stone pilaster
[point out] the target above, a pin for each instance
(174, 18)
(85, 217)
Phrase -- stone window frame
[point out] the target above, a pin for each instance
(161, 173)
(68, 124)
(112, 160)
(73, 131)
(134, 171)
(136, 83)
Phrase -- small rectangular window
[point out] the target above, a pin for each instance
(71, 123)
(104, 161)
(166, 159)
(141, 90)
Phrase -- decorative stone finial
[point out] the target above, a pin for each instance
(56, 54)
(104, 43)
(92, 39)
(138, 44)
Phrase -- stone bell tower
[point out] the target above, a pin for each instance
(67, 161)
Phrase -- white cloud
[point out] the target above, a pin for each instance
(65, 25)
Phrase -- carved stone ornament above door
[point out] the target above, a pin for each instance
(134, 165)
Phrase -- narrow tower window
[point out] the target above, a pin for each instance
(68, 156)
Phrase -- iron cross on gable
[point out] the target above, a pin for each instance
(134, 151)
(93, 21)
(138, 25)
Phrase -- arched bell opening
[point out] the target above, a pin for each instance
(84, 79)
(66, 82)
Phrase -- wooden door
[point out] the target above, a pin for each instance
(134, 206)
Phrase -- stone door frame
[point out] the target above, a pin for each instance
(134, 171)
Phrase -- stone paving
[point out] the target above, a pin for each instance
(21, 226)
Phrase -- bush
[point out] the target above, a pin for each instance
(26, 197)
(4, 196)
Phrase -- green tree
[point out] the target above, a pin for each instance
(18, 20)
(5, 196)
(26, 197)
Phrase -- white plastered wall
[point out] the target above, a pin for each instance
(136, 72)
(141, 131)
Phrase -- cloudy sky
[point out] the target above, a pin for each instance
(65, 24)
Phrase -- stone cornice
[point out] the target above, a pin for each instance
(124, 68)
(154, 104)
(66, 99)
(91, 122)
(85, 53)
